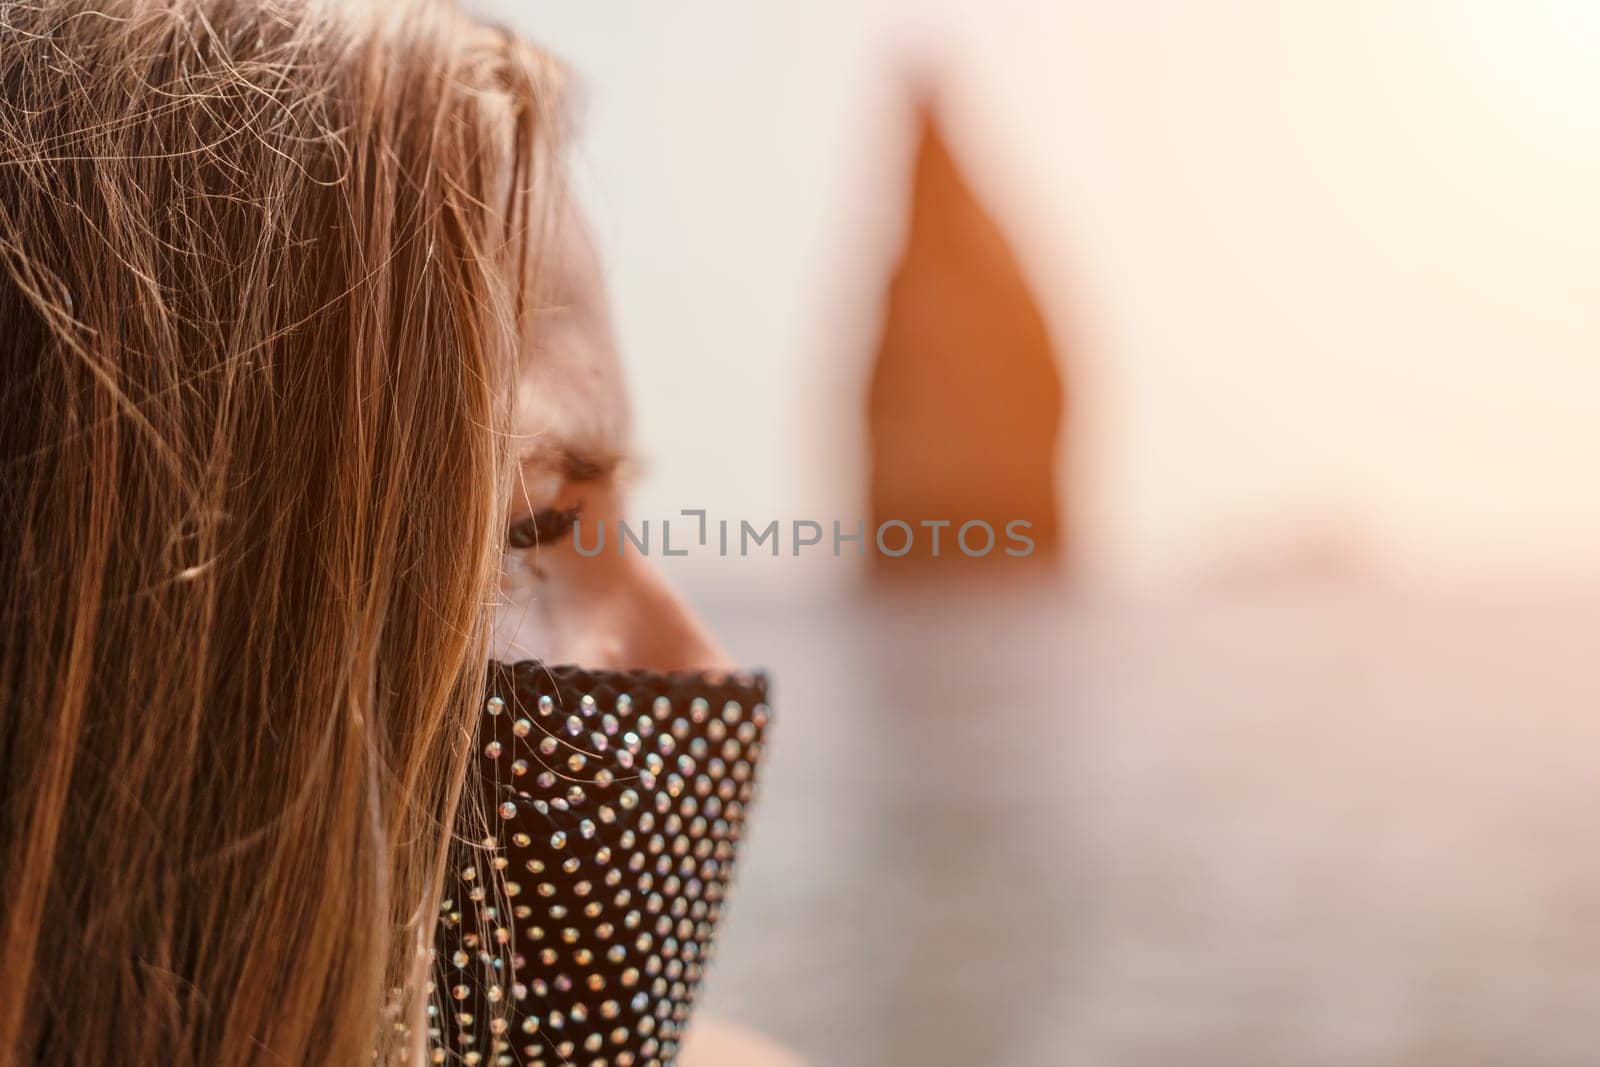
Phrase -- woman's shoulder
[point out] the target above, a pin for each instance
(716, 1043)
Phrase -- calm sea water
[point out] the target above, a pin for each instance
(1307, 827)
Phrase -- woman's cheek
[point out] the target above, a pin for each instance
(523, 620)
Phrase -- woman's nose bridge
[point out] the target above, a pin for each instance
(661, 630)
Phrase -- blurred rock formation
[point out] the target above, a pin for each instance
(966, 400)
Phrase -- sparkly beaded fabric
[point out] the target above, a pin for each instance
(578, 921)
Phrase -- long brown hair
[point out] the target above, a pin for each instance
(262, 266)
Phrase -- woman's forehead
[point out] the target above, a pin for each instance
(572, 406)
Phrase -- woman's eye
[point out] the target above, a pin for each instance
(544, 527)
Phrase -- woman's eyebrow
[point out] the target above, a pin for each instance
(591, 465)
(577, 461)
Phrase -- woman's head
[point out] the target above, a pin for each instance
(263, 291)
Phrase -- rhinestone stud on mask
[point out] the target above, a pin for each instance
(585, 889)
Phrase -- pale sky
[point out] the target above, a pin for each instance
(1319, 266)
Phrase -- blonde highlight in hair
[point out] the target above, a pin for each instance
(262, 266)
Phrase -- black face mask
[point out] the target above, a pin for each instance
(577, 923)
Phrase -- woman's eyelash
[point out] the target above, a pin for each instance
(545, 526)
